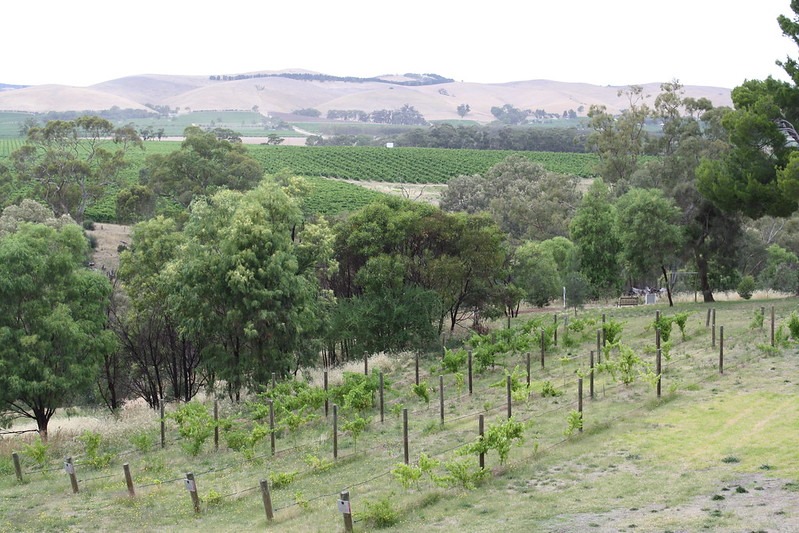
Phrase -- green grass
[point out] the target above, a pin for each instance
(636, 451)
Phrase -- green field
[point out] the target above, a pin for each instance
(389, 165)
(715, 452)
(407, 165)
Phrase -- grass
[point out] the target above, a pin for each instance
(643, 461)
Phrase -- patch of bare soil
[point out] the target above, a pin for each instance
(753, 502)
(430, 193)
(110, 237)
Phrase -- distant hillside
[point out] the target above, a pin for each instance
(435, 97)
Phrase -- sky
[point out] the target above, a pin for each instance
(615, 42)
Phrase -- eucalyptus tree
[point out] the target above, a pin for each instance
(53, 319)
(68, 164)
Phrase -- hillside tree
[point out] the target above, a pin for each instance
(53, 331)
(70, 163)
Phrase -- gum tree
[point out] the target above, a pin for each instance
(53, 331)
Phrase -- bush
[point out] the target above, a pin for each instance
(195, 425)
(380, 514)
(746, 287)
(88, 224)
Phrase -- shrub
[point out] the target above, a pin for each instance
(91, 442)
(142, 441)
(37, 452)
(88, 224)
(793, 325)
(195, 425)
(380, 514)
(454, 360)
(746, 287)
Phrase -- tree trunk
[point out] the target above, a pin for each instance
(704, 283)
(668, 285)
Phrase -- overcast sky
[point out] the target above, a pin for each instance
(614, 42)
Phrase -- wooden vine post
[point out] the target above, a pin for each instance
(69, 467)
(267, 499)
(191, 486)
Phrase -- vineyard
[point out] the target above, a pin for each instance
(407, 165)
(580, 431)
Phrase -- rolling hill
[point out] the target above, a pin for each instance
(275, 94)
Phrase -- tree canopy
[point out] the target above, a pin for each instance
(52, 320)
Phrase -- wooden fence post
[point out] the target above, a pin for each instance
(481, 433)
(713, 327)
(272, 425)
(469, 361)
(599, 345)
(17, 466)
(405, 434)
(163, 421)
(542, 348)
(707, 319)
(556, 329)
(216, 425)
(721, 349)
(344, 496)
(416, 365)
(658, 369)
(382, 410)
(508, 387)
(267, 499)
(69, 467)
(365, 363)
(591, 379)
(762, 316)
(191, 486)
(335, 432)
(327, 400)
(580, 401)
(772, 326)
(441, 397)
(528, 370)
(129, 480)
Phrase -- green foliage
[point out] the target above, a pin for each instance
(758, 319)
(355, 427)
(143, 441)
(417, 165)
(574, 423)
(318, 464)
(548, 390)
(380, 514)
(664, 323)
(500, 437)
(627, 364)
(465, 473)
(280, 480)
(454, 360)
(195, 425)
(38, 452)
(212, 498)
(244, 441)
(410, 475)
(612, 331)
(53, 319)
(746, 287)
(793, 325)
(422, 391)
(681, 319)
(91, 443)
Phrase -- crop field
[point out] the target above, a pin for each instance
(407, 165)
(714, 450)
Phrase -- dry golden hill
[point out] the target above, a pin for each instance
(284, 95)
